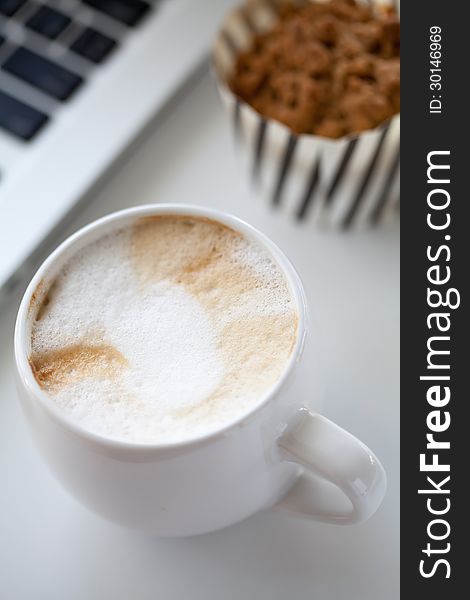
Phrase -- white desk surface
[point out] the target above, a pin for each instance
(53, 549)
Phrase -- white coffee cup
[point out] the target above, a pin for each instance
(278, 455)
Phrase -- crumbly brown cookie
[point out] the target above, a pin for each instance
(328, 69)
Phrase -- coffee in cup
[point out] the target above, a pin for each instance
(166, 329)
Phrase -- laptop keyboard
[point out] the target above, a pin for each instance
(9, 7)
(42, 73)
(48, 22)
(128, 12)
(37, 41)
(19, 118)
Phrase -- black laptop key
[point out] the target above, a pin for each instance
(48, 22)
(19, 118)
(9, 7)
(129, 12)
(93, 45)
(42, 73)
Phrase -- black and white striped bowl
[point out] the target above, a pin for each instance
(344, 183)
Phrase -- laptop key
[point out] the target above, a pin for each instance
(129, 12)
(42, 73)
(20, 119)
(9, 7)
(93, 45)
(48, 22)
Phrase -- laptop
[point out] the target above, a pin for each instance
(79, 80)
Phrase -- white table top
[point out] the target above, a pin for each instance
(52, 548)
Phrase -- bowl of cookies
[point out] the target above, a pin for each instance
(313, 92)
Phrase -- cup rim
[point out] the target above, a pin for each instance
(126, 216)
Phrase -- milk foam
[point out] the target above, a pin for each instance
(163, 331)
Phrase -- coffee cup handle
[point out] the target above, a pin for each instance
(343, 481)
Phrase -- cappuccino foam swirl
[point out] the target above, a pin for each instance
(163, 331)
